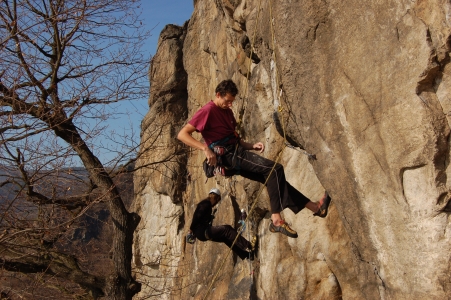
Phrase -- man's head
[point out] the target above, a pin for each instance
(215, 196)
(226, 87)
(225, 94)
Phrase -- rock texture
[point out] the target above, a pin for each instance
(366, 88)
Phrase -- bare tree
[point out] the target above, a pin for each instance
(61, 63)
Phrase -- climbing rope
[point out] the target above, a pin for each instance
(242, 110)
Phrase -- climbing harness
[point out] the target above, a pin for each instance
(223, 142)
(221, 148)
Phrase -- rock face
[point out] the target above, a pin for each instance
(363, 85)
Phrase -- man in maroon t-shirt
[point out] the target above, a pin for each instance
(216, 123)
(213, 122)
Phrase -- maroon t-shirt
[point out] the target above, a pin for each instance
(214, 123)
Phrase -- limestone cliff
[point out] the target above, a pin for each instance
(363, 85)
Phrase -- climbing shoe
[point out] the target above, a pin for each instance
(324, 206)
(284, 229)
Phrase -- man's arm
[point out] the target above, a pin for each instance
(185, 136)
(257, 146)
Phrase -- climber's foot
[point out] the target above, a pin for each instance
(323, 206)
(283, 228)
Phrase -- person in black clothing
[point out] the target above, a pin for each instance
(201, 227)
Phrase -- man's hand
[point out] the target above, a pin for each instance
(258, 147)
(185, 135)
(211, 157)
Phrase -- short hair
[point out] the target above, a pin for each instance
(226, 87)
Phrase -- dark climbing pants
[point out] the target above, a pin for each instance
(225, 234)
(255, 167)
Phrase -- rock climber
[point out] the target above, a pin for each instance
(216, 123)
(202, 229)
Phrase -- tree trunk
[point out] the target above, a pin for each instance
(120, 285)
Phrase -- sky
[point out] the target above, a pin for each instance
(155, 14)
(163, 12)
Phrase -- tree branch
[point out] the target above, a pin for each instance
(55, 264)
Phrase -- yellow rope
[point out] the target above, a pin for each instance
(280, 109)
